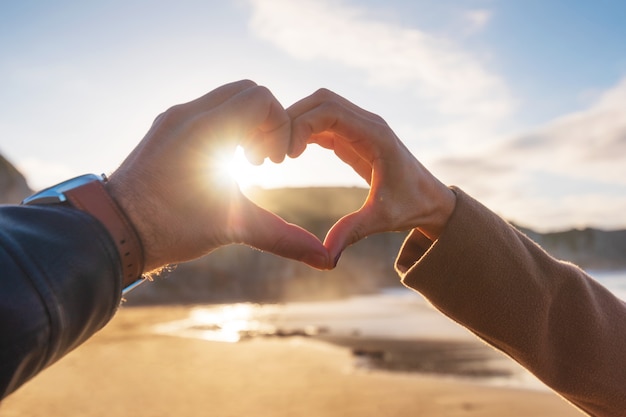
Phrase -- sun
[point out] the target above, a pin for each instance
(312, 169)
(236, 167)
(241, 170)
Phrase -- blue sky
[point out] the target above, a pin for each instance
(522, 104)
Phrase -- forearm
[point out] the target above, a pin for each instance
(61, 282)
(548, 315)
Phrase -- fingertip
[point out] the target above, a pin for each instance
(266, 231)
(297, 148)
(254, 156)
(300, 134)
(316, 260)
(335, 250)
(336, 260)
(348, 230)
(277, 159)
(277, 142)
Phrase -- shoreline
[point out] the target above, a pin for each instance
(381, 332)
(129, 370)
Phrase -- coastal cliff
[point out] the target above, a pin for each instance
(236, 273)
(591, 249)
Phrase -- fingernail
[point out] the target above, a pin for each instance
(336, 261)
(317, 260)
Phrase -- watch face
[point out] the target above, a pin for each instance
(56, 193)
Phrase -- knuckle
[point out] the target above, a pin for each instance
(245, 83)
(261, 92)
(173, 115)
(380, 128)
(164, 121)
(331, 106)
(379, 120)
(332, 110)
(159, 118)
(324, 94)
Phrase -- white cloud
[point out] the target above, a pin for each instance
(477, 19)
(571, 171)
(589, 144)
(572, 211)
(446, 79)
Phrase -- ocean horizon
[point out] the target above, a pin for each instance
(395, 323)
(615, 281)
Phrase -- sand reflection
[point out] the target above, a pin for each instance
(390, 332)
(227, 323)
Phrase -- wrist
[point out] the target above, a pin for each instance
(95, 199)
(444, 205)
(137, 215)
(88, 193)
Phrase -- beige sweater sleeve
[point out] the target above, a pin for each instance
(546, 314)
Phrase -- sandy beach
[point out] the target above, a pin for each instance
(129, 370)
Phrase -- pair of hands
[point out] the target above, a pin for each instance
(183, 208)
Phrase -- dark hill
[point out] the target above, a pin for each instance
(240, 273)
(237, 273)
(591, 249)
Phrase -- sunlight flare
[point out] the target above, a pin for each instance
(242, 171)
(237, 167)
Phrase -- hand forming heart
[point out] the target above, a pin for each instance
(168, 185)
(403, 194)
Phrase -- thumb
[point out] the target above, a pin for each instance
(266, 231)
(346, 231)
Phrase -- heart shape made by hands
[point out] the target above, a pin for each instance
(365, 143)
(314, 208)
(178, 154)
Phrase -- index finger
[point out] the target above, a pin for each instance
(253, 118)
(365, 135)
(219, 95)
(321, 98)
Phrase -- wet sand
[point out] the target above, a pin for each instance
(129, 370)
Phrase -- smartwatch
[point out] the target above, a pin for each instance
(87, 193)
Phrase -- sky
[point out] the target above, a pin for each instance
(521, 104)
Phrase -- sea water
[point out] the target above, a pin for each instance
(392, 314)
(615, 281)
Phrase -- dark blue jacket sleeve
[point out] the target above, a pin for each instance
(60, 282)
